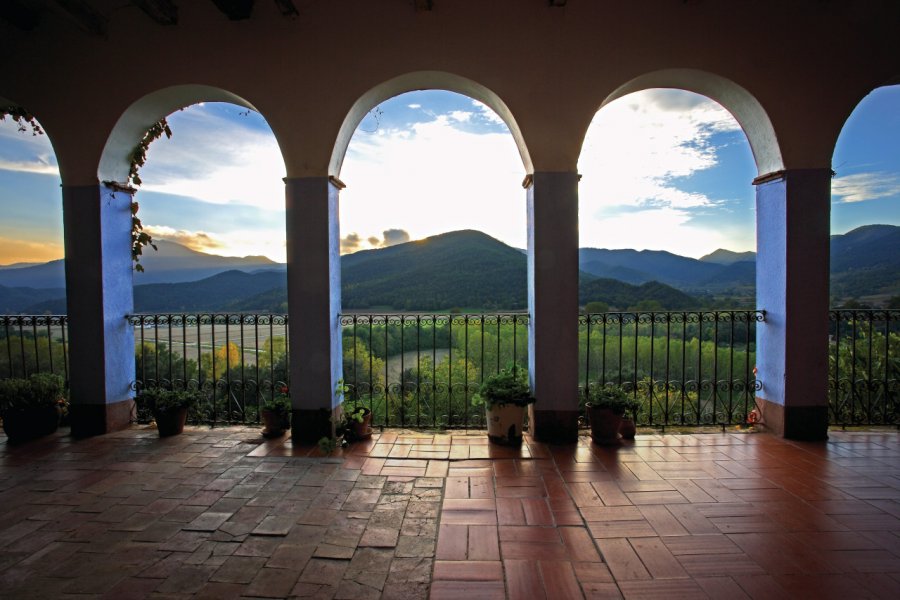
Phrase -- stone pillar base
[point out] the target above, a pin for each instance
(308, 426)
(96, 419)
(554, 426)
(804, 423)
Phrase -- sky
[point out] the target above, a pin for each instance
(661, 169)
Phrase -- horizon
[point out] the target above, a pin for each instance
(662, 170)
(26, 264)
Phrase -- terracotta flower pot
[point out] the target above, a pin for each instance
(504, 423)
(604, 425)
(170, 422)
(361, 430)
(27, 424)
(627, 428)
(276, 423)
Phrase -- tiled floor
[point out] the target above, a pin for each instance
(218, 514)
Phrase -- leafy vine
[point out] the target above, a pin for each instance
(137, 158)
(23, 119)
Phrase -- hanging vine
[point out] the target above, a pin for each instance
(140, 238)
(23, 119)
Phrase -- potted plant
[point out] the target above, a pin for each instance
(357, 423)
(31, 408)
(506, 395)
(605, 408)
(169, 408)
(276, 413)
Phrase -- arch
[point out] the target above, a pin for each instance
(890, 82)
(748, 112)
(137, 118)
(423, 80)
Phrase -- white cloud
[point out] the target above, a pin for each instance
(39, 167)
(216, 160)
(635, 151)
(414, 106)
(488, 113)
(461, 116)
(433, 178)
(240, 242)
(23, 152)
(860, 187)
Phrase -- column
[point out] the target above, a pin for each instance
(553, 304)
(314, 304)
(97, 222)
(792, 265)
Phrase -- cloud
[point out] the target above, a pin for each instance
(434, 176)
(200, 241)
(392, 237)
(350, 243)
(414, 106)
(16, 250)
(25, 153)
(246, 242)
(38, 167)
(637, 154)
(217, 160)
(860, 187)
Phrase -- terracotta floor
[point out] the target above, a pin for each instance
(216, 514)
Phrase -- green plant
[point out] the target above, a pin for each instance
(161, 400)
(280, 403)
(327, 445)
(507, 386)
(40, 390)
(614, 398)
(357, 414)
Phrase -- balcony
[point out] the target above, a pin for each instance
(216, 513)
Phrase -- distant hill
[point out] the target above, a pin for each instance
(173, 263)
(727, 257)
(866, 261)
(641, 266)
(471, 270)
(16, 300)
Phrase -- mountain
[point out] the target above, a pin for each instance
(728, 257)
(173, 263)
(456, 269)
(642, 266)
(866, 261)
(18, 265)
(471, 270)
(16, 300)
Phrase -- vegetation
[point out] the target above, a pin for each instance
(614, 398)
(40, 390)
(508, 386)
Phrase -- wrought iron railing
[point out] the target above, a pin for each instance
(34, 344)
(236, 360)
(684, 368)
(864, 367)
(424, 370)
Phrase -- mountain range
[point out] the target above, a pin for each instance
(462, 269)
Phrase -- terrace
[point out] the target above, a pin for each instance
(214, 513)
(112, 510)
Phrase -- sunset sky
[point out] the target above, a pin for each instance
(662, 169)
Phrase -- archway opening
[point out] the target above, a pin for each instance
(434, 276)
(210, 300)
(33, 335)
(864, 331)
(667, 234)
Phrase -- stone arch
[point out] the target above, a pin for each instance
(137, 118)
(423, 80)
(748, 112)
(890, 82)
